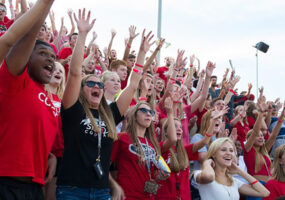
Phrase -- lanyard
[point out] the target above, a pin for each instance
(146, 155)
(99, 140)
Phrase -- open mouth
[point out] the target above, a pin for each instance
(48, 68)
(228, 159)
(58, 77)
(95, 94)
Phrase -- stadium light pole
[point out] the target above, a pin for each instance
(159, 27)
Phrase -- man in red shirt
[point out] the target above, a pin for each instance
(65, 54)
(163, 71)
(28, 120)
(5, 22)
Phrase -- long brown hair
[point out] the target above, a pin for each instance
(278, 170)
(259, 153)
(178, 160)
(104, 111)
(205, 122)
(149, 133)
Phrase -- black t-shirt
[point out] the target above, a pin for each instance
(81, 147)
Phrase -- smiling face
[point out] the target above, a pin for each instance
(159, 85)
(259, 141)
(178, 128)
(112, 84)
(41, 64)
(93, 94)
(225, 155)
(143, 119)
(58, 74)
(89, 68)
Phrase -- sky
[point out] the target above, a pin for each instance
(212, 30)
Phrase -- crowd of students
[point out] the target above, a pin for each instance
(80, 123)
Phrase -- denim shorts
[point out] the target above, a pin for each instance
(65, 192)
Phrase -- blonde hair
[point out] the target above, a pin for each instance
(214, 147)
(60, 88)
(106, 75)
(178, 160)
(104, 111)
(205, 122)
(278, 172)
(149, 133)
(259, 153)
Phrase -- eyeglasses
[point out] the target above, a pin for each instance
(145, 111)
(3, 9)
(93, 83)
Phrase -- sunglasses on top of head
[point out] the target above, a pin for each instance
(93, 83)
(145, 111)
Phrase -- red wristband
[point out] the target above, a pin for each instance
(143, 99)
(138, 65)
(176, 102)
(128, 45)
(137, 71)
(180, 80)
(280, 120)
(191, 65)
(254, 182)
(232, 91)
(208, 135)
(172, 79)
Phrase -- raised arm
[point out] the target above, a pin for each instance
(208, 174)
(202, 98)
(189, 78)
(69, 13)
(22, 49)
(94, 36)
(257, 125)
(196, 94)
(153, 55)
(133, 35)
(269, 143)
(113, 34)
(11, 9)
(125, 97)
(171, 131)
(73, 83)
(22, 26)
(52, 22)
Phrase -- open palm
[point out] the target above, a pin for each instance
(83, 22)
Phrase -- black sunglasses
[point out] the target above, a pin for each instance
(93, 83)
(145, 111)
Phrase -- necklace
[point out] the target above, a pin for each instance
(227, 189)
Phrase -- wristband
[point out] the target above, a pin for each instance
(172, 79)
(191, 65)
(137, 71)
(180, 80)
(208, 135)
(176, 101)
(143, 99)
(254, 182)
(280, 120)
(128, 45)
(138, 65)
(232, 91)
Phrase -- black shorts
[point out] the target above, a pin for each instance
(12, 189)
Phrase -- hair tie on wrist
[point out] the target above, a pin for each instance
(254, 182)
(143, 99)
(138, 65)
(208, 135)
(128, 45)
(137, 71)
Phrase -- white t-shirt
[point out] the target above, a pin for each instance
(217, 191)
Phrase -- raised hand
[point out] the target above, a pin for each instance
(146, 41)
(210, 68)
(261, 103)
(202, 74)
(168, 104)
(180, 62)
(94, 35)
(83, 23)
(69, 12)
(160, 44)
(218, 113)
(249, 86)
(234, 135)
(51, 15)
(234, 169)
(113, 33)
(192, 59)
(133, 33)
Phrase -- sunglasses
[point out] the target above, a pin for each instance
(93, 83)
(145, 111)
(3, 9)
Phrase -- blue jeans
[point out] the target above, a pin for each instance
(255, 198)
(65, 192)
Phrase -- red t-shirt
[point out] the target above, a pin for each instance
(251, 122)
(185, 122)
(125, 82)
(58, 145)
(241, 132)
(163, 73)
(132, 174)
(53, 47)
(199, 116)
(168, 189)
(276, 189)
(5, 25)
(63, 54)
(98, 70)
(28, 125)
(249, 159)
